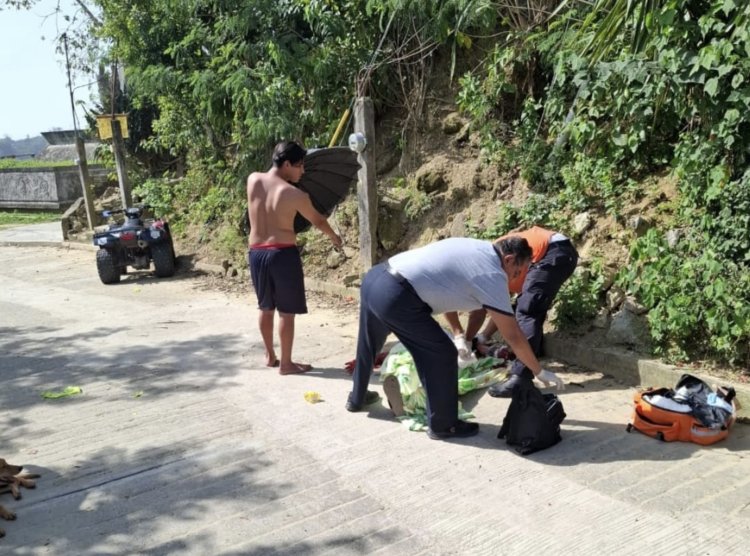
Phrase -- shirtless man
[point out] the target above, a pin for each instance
(275, 263)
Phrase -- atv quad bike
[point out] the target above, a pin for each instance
(135, 242)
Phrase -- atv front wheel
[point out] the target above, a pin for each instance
(171, 248)
(109, 272)
(163, 257)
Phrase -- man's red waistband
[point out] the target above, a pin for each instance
(271, 245)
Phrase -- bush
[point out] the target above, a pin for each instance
(699, 302)
(578, 300)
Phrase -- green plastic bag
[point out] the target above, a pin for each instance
(66, 392)
(400, 364)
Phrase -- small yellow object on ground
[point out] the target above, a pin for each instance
(312, 397)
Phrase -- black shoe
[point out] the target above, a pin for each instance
(461, 429)
(370, 398)
(505, 389)
(392, 392)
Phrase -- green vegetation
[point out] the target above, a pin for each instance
(583, 100)
(13, 164)
(665, 89)
(578, 301)
(17, 217)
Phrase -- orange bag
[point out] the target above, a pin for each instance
(669, 426)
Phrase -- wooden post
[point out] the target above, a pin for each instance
(364, 123)
(122, 174)
(83, 173)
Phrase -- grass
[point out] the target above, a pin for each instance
(20, 217)
(13, 164)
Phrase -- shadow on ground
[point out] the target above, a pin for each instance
(123, 502)
(30, 366)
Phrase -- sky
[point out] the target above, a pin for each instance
(34, 94)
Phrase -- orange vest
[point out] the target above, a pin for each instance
(538, 239)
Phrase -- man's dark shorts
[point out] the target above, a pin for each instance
(278, 280)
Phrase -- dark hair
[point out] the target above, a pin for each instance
(288, 150)
(517, 246)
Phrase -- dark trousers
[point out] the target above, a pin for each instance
(539, 290)
(390, 304)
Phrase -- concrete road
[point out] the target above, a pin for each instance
(182, 442)
(32, 234)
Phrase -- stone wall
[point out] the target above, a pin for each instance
(46, 188)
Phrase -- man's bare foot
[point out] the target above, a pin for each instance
(272, 360)
(294, 368)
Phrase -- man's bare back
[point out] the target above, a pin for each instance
(272, 204)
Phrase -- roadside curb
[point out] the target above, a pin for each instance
(335, 289)
(79, 246)
(311, 284)
(634, 370)
(59, 244)
(32, 243)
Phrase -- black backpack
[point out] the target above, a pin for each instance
(533, 419)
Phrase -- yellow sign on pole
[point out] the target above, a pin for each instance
(104, 125)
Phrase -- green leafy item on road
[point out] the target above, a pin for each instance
(66, 392)
(400, 364)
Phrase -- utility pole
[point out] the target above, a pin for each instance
(118, 147)
(367, 191)
(83, 168)
(122, 174)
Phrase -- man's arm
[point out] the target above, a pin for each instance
(489, 329)
(252, 179)
(473, 324)
(306, 209)
(476, 318)
(451, 318)
(512, 333)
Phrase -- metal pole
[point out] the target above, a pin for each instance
(118, 146)
(367, 192)
(122, 173)
(83, 168)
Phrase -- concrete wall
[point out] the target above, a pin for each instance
(45, 188)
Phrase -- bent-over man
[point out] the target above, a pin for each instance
(275, 263)
(402, 294)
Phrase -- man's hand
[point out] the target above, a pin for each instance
(463, 348)
(336, 240)
(548, 377)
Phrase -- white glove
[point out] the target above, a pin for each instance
(466, 360)
(463, 348)
(546, 377)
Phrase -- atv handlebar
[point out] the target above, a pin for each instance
(108, 213)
